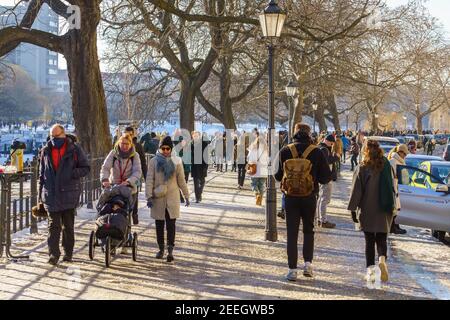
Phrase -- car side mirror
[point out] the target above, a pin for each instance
(442, 188)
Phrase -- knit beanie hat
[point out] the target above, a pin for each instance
(167, 141)
(330, 138)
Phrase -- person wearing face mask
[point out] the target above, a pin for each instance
(122, 166)
(62, 164)
(165, 180)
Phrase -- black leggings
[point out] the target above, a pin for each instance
(380, 239)
(170, 231)
(296, 210)
(241, 174)
(354, 161)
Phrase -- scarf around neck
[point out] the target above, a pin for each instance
(165, 165)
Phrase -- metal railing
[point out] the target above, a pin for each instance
(18, 196)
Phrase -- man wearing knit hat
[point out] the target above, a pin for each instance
(326, 190)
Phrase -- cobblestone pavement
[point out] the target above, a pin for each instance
(220, 254)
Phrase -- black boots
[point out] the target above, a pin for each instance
(170, 254)
(160, 253)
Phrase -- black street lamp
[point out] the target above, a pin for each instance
(291, 91)
(272, 21)
(315, 106)
(347, 113)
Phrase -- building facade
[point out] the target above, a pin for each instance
(40, 63)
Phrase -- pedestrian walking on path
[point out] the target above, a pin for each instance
(241, 150)
(354, 152)
(302, 166)
(140, 151)
(258, 160)
(164, 182)
(373, 194)
(62, 164)
(397, 157)
(122, 166)
(326, 190)
(199, 171)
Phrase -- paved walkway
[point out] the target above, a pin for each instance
(220, 254)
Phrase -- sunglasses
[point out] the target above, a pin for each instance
(166, 148)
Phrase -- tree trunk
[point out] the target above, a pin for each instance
(419, 123)
(86, 85)
(333, 111)
(187, 106)
(320, 118)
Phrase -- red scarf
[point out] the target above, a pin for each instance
(57, 155)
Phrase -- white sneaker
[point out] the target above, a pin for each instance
(308, 270)
(292, 275)
(370, 274)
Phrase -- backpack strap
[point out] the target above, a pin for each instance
(308, 151)
(293, 151)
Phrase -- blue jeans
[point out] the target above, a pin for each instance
(258, 185)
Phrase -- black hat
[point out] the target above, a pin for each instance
(167, 141)
(330, 138)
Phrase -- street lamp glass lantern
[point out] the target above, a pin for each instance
(291, 89)
(315, 106)
(272, 20)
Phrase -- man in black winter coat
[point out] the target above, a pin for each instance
(326, 189)
(302, 208)
(199, 162)
(62, 164)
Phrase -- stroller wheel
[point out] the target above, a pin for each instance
(92, 241)
(108, 252)
(135, 246)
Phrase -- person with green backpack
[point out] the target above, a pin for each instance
(301, 167)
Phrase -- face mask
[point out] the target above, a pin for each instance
(58, 142)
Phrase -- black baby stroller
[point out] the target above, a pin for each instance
(113, 225)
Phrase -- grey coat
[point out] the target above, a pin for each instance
(365, 196)
(171, 201)
(132, 171)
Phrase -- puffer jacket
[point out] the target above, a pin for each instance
(259, 156)
(60, 190)
(114, 165)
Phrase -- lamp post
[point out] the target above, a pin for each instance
(406, 122)
(315, 106)
(291, 91)
(272, 21)
(347, 113)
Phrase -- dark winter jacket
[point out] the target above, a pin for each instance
(140, 151)
(331, 159)
(320, 169)
(199, 168)
(61, 190)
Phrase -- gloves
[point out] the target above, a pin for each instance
(354, 217)
(186, 202)
(149, 203)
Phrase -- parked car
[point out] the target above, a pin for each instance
(441, 139)
(386, 143)
(447, 153)
(414, 160)
(425, 197)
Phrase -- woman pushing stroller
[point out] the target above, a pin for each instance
(122, 166)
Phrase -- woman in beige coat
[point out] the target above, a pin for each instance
(165, 178)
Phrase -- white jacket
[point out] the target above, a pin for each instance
(261, 158)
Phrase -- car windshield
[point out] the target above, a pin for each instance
(388, 143)
(442, 172)
(414, 162)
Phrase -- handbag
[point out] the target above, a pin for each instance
(252, 168)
